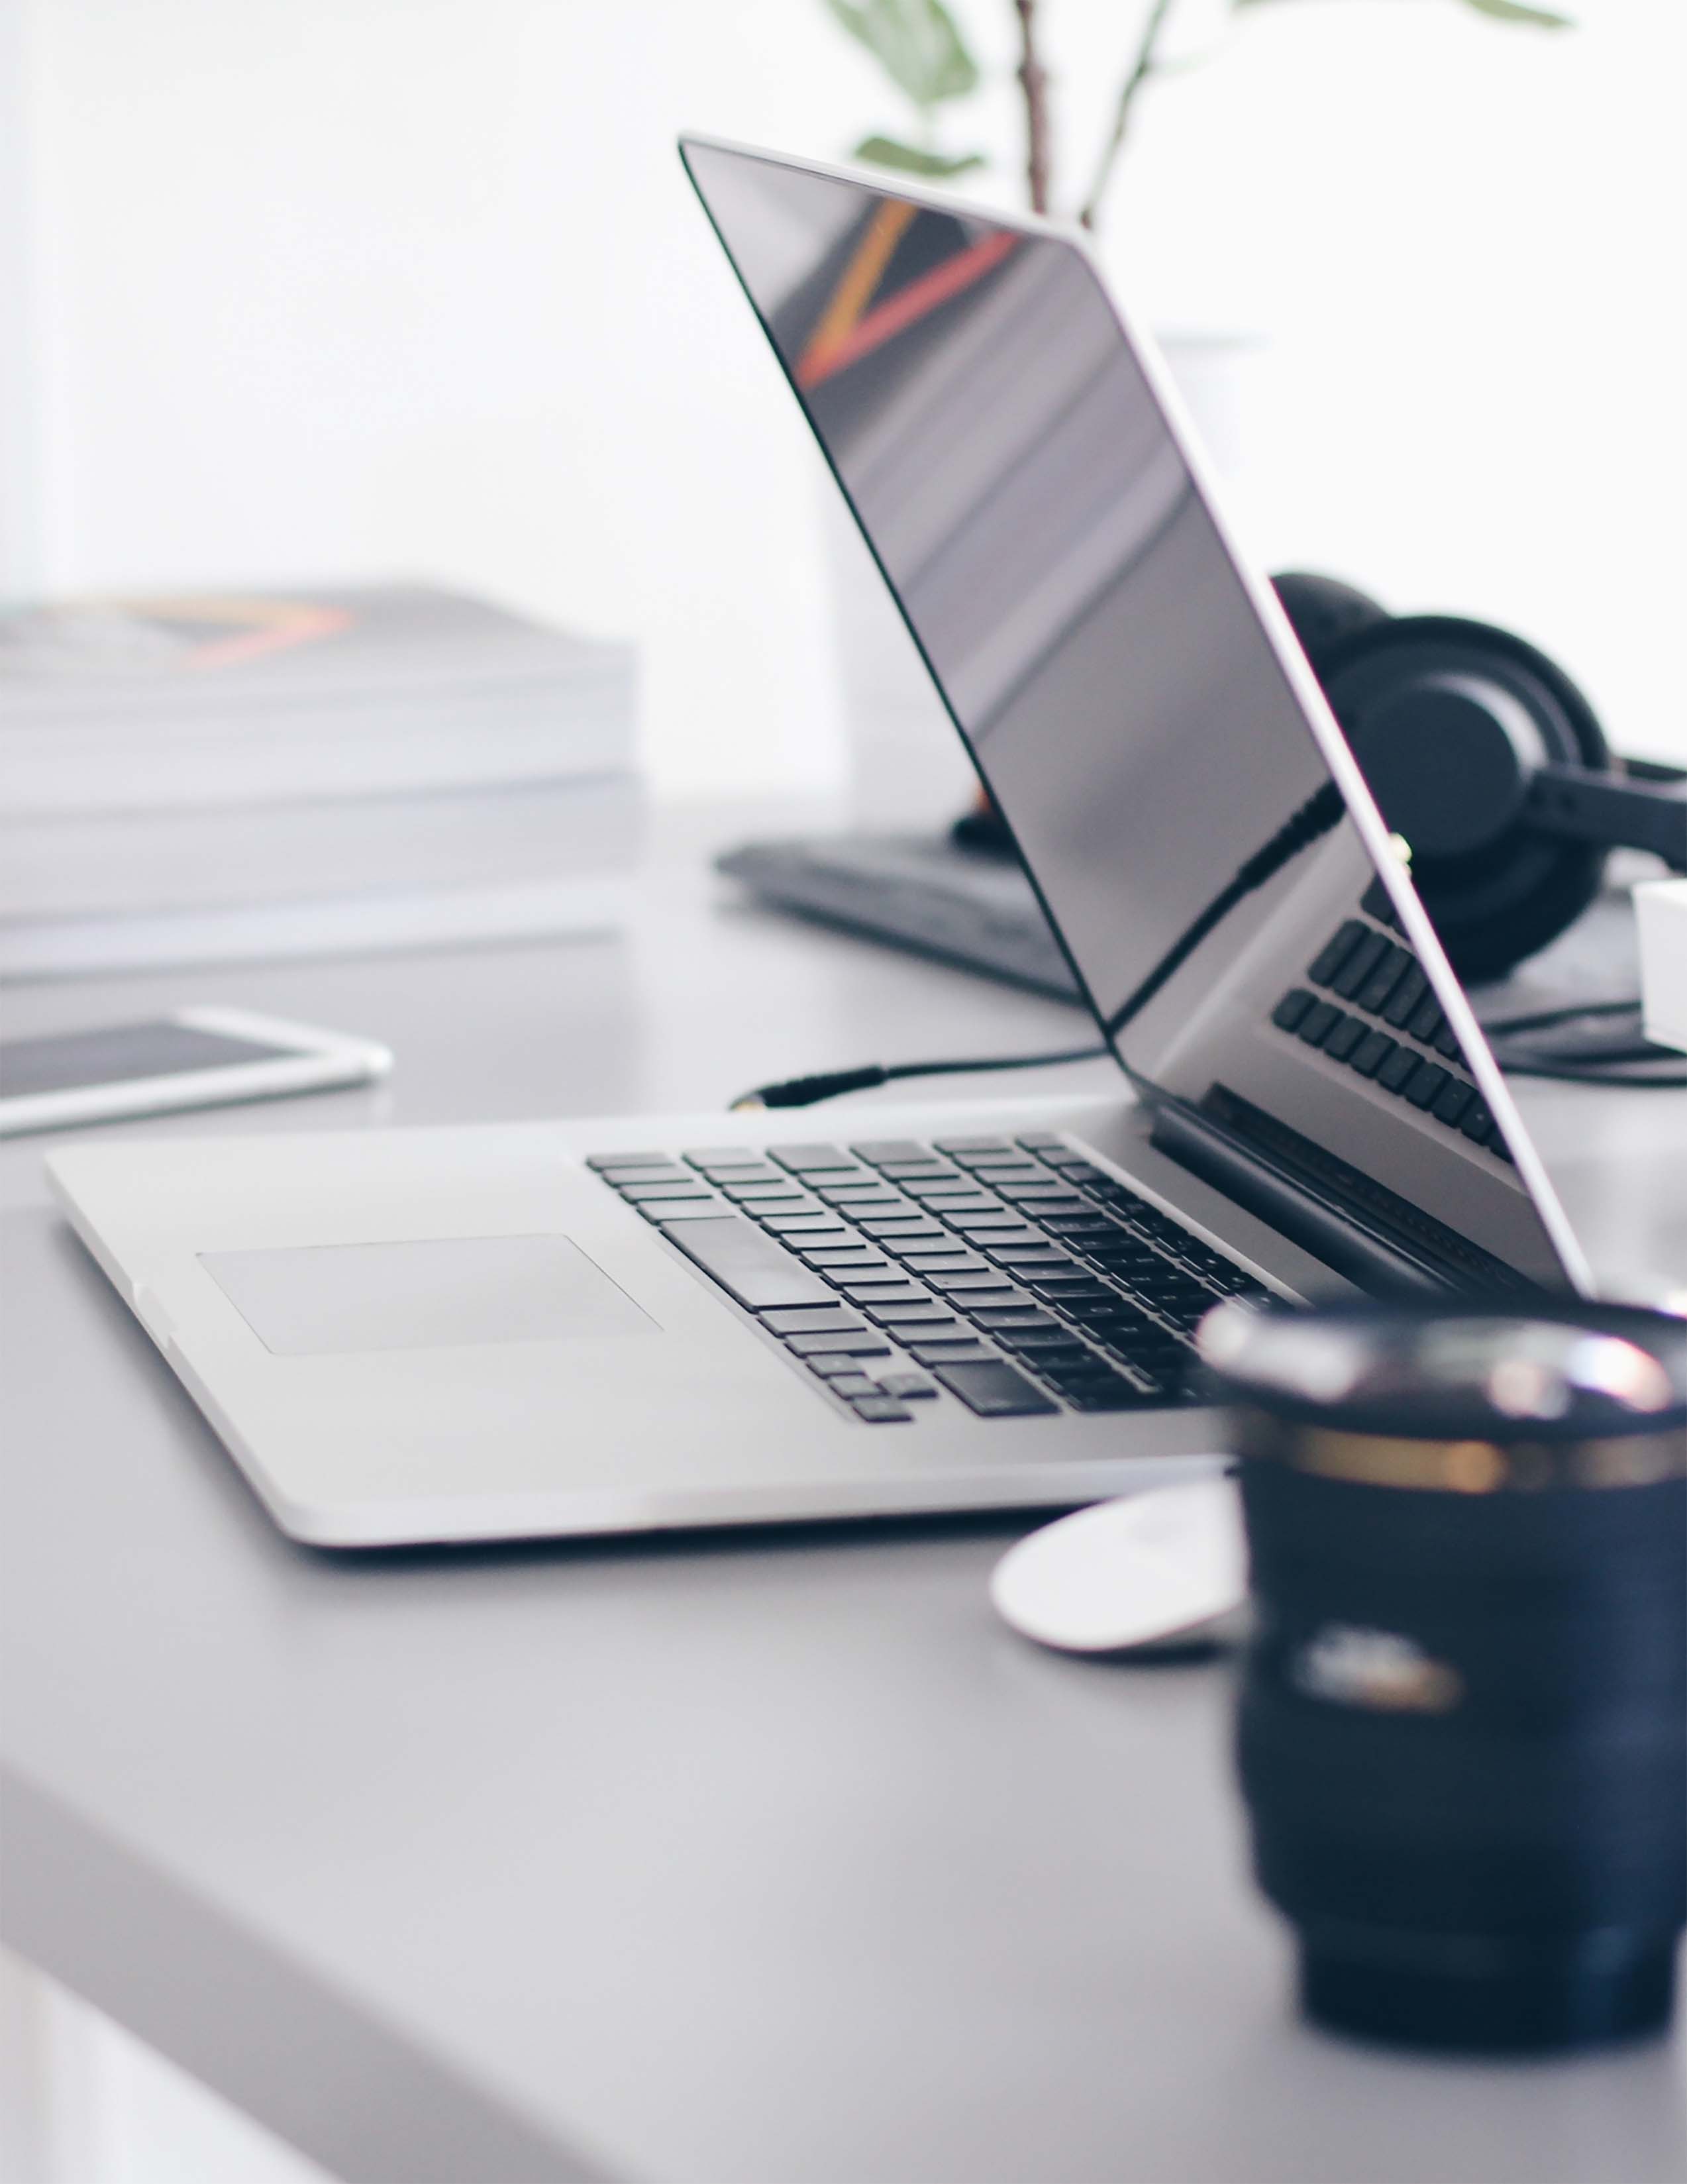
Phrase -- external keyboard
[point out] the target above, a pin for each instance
(1012, 1275)
(1371, 1006)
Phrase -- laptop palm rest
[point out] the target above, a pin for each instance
(424, 1295)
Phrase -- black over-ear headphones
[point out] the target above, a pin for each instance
(1490, 761)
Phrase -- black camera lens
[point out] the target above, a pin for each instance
(1462, 1725)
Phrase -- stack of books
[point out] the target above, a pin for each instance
(205, 779)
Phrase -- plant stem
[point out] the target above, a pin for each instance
(1141, 68)
(1033, 82)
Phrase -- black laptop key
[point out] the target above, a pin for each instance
(837, 1321)
(833, 1364)
(882, 1294)
(808, 1160)
(1294, 1006)
(747, 1265)
(1427, 1081)
(1330, 959)
(1017, 1317)
(1375, 903)
(995, 1391)
(1390, 965)
(1398, 1070)
(1058, 1347)
(1370, 1053)
(1110, 1391)
(842, 1345)
(898, 1315)
(950, 1353)
(935, 1319)
(1318, 1023)
(1149, 1221)
(1475, 1121)
(1357, 969)
(881, 1410)
(1403, 1003)
(1345, 1038)
(1451, 1102)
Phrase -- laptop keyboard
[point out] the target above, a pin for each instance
(1368, 1003)
(1010, 1275)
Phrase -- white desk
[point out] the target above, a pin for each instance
(730, 1860)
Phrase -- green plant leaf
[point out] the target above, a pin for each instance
(1514, 11)
(910, 160)
(917, 44)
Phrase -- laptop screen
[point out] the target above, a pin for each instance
(1098, 649)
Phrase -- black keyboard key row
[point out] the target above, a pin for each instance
(1367, 968)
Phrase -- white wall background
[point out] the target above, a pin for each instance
(352, 286)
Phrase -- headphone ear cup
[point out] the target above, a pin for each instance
(1499, 901)
(1324, 613)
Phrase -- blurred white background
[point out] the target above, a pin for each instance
(317, 289)
(322, 287)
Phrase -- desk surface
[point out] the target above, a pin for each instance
(767, 1857)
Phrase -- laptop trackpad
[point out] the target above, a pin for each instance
(424, 1295)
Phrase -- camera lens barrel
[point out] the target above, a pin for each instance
(1462, 1726)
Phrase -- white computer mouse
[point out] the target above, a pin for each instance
(1165, 1569)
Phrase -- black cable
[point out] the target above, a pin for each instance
(1620, 1063)
(1674, 1081)
(1500, 1026)
(805, 1091)
(1314, 818)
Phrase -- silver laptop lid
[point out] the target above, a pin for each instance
(1136, 704)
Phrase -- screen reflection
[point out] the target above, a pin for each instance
(1014, 474)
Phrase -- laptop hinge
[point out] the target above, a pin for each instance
(1266, 1186)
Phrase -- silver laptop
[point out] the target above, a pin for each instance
(567, 1327)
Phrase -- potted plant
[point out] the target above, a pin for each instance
(923, 51)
